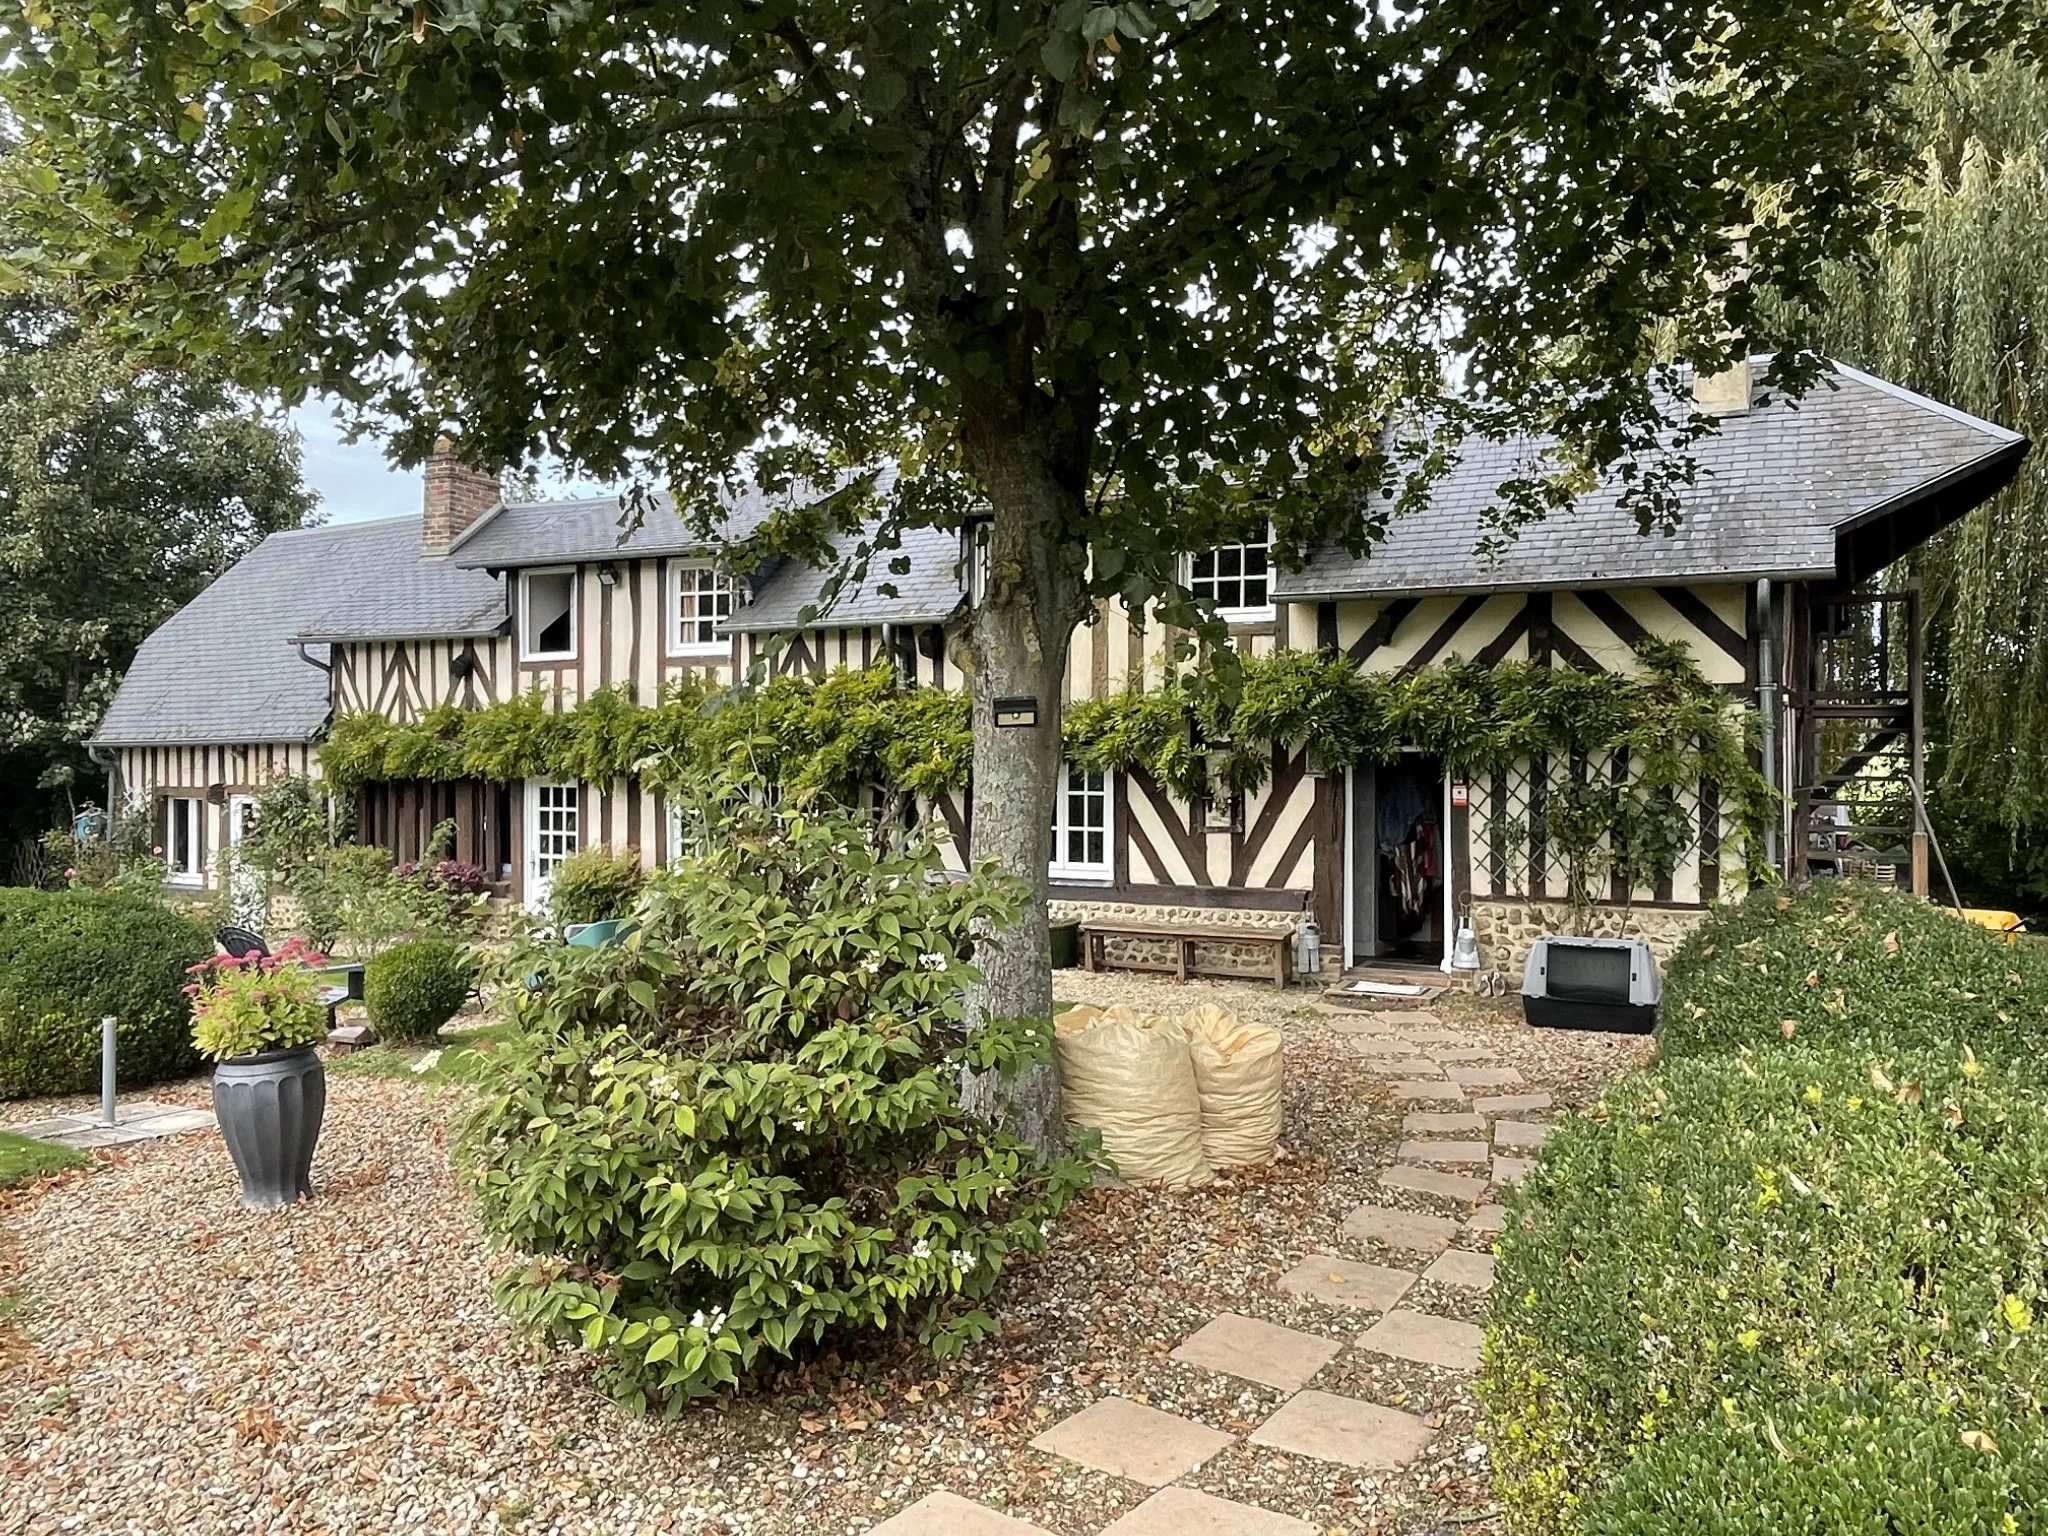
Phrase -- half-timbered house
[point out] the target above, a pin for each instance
(1767, 581)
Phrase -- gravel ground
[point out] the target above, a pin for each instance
(180, 1364)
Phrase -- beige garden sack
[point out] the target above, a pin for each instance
(1129, 1076)
(1237, 1076)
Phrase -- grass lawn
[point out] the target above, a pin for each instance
(456, 1058)
(22, 1159)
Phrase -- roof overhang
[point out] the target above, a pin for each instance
(1503, 588)
(1874, 539)
(791, 625)
(372, 637)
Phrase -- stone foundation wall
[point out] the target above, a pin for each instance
(1506, 927)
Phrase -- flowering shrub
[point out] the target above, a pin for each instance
(243, 1006)
(737, 1135)
(595, 886)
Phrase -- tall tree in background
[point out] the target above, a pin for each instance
(1960, 312)
(124, 489)
(1131, 277)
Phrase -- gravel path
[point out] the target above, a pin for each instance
(184, 1365)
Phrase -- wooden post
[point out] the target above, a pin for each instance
(1921, 883)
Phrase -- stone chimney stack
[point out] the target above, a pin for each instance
(1725, 393)
(455, 497)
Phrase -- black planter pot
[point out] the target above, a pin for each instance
(269, 1108)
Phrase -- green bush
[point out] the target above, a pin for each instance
(1858, 965)
(737, 1137)
(412, 989)
(69, 957)
(1835, 1468)
(596, 886)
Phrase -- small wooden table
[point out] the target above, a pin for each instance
(1185, 936)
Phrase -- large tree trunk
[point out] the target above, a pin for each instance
(1017, 647)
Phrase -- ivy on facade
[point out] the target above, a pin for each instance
(851, 731)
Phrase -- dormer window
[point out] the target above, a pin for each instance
(700, 600)
(1235, 577)
(547, 615)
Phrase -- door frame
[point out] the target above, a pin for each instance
(532, 887)
(1361, 806)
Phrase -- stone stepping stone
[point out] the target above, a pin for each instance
(947, 1514)
(1444, 1152)
(1432, 1123)
(1512, 1170)
(1258, 1351)
(1487, 1077)
(1188, 1512)
(1345, 1022)
(1488, 1218)
(1413, 1088)
(1428, 1181)
(1511, 1103)
(1408, 1018)
(1127, 1439)
(1519, 1133)
(1346, 1431)
(1382, 1045)
(1406, 1230)
(1339, 1282)
(1461, 1266)
(1420, 1336)
(1440, 1036)
(1407, 1067)
(1464, 1053)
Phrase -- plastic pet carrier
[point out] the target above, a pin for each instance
(1609, 984)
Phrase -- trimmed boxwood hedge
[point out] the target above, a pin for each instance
(69, 957)
(412, 989)
(1762, 1221)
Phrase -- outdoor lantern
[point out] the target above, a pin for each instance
(608, 575)
(1016, 711)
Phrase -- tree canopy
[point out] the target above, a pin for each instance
(124, 489)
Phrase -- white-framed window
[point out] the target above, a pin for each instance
(700, 599)
(184, 840)
(1236, 578)
(1080, 827)
(547, 615)
(554, 828)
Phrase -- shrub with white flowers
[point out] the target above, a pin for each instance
(737, 1135)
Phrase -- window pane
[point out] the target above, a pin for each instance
(550, 623)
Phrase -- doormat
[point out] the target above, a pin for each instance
(1386, 988)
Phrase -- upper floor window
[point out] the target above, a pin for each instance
(1080, 826)
(547, 615)
(700, 600)
(1235, 578)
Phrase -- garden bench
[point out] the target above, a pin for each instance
(1184, 938)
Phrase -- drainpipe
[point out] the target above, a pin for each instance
(1767, 704)
(110, 761)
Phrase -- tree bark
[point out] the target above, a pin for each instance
(1017, 646)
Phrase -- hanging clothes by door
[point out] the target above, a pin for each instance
(1410, 858)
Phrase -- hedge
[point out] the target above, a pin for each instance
(69, 957)
(412, 989)
(1853, 964)
(1761, 1221)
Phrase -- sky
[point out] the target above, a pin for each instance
(355, 480)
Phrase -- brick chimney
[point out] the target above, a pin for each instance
(455, 497)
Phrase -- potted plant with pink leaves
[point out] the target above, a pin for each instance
(259, 1018)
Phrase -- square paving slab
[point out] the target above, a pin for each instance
(136, 1120)
(1443, 1091)
(1461, 1266)
(1428, 1122)
(1263, 1352)
(1511, 1170)
(1444, 1152)
(1488, 1218)
(1405, 1066)
(1346, 1282)
(1518, 1133)
(1128, 1439)
(1511, 1103)
(947, 1514)
(1406, 1230)
(1487, 1077)
(1438, 1035)
(1420, 1336)
(1185, 1512)
(1407, 1018)
(1464, 1052)
(1344, 1430)
(1429, 1181)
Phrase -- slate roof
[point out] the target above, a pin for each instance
(223, 668)
(401, 595)
(928, 593)
(568, 532)
(1792, 489)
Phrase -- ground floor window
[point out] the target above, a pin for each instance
(184, 840)
(1080, 826)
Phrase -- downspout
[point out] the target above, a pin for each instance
(1767, 707)
(111, 761)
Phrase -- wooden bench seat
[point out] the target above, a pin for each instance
(1185, 937)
